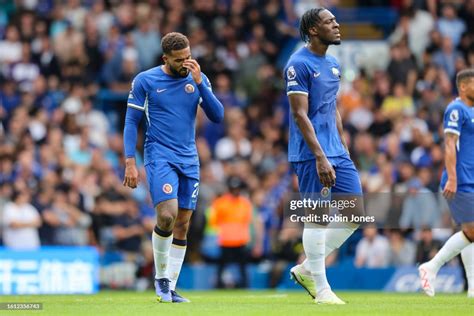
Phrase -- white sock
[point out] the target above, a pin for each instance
(335, 237)
(161, 249)
(467, 255)
(175, 262)
(313, 243)
(453, 246)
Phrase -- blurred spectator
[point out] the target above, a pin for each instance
(467, 14)
(398, 103)
(9, 98)
(235, 144)
(147, 41)
(420, 207)
(373, 251)
(402, 68)
(378, 186)
(96, 123)
(446, 57)
(24, 72)
(402, 250)
(224, 92)
(121, 80)
(231, 214)
(21, 221)
(10, 47)
(450, 25)
(427, 246)
(287, 249)
(69, 44)
(70, 224)
(128, 229)
(415, 25)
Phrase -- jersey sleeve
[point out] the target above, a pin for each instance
(210, 104)
(137, 96)
(453, 118)
(206, 81)
(297, 78)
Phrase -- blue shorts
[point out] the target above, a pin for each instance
(347, 177)
(169, 180)
(462, 205)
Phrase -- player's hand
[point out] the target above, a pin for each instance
(450, 189)
(326, 173)
(194, 68)
(131, 174)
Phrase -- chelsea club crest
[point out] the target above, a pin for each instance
(189, 88)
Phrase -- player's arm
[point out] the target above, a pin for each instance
(130, 131)
(340, 129)
(210, 104)
(299, 110)
(135, 108)
(450, 161)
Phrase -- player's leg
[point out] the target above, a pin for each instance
(163, 183)
(314, 236)
(161, 241)
(347, 191)
(187, 198)
(347, 187)
(461, 207)
(453, 246)
(178, 251)
(467, 255)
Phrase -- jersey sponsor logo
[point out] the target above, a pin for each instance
(130, 95)
(167, 188)
(291, 73)
(335, 72)
(316, 74)
(189, 88)
(454, 116)
(161, 90)
(455, 124)
(292, 83)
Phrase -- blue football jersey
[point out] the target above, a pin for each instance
(170, 105)
(459, 120)
(317, 77)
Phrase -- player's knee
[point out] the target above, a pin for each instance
(165, 220)
(469, 233)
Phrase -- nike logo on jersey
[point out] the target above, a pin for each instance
(316, 74)
(160, 90)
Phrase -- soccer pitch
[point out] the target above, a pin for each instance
(246, 303)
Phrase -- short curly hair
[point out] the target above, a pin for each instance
(463, 75)
(174, 41)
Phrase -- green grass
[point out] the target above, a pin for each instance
(268, 303)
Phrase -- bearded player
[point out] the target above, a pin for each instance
(169, 96)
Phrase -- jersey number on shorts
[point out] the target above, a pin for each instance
(196, 191)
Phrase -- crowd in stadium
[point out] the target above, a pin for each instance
(61, 150)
